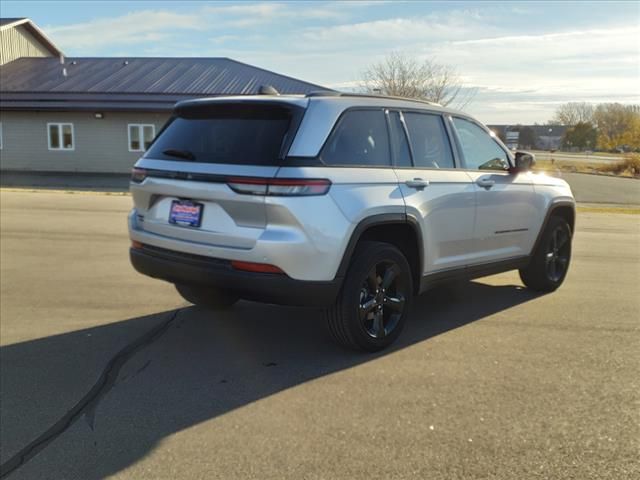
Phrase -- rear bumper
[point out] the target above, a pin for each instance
(177, 267)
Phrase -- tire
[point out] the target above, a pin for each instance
(366, 316)
(208, 297)
(550, 261)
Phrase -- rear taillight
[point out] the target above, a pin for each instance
(248, 186)
(298, 187)
(288, 187)
(138, 175)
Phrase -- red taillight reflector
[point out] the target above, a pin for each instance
(297, 187)
(136, 244)
(255, 267)
(279, 186)
(248, 186)
(138, 175)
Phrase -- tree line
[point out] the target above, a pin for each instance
(604, 126)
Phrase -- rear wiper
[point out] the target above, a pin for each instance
(186, 154)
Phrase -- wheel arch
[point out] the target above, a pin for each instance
(398, 229)
(565, 210)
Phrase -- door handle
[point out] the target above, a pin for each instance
(486, 182)
(417, 183)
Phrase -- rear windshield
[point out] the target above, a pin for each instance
(236, 134)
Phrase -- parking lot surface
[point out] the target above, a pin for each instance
(106, 373)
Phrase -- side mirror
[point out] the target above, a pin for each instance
(524, 161)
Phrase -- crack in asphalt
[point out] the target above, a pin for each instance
(90, 401)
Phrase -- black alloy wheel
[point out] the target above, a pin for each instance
(550, 261)
(373, 304)
(382, 299)
(557, 257)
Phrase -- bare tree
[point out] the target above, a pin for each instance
(403, 76)
(573, 113)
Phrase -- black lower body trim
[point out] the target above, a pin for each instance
(474, 271)
(177, 267)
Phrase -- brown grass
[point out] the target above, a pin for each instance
(562, 166)
(629, 210)
(628, 167)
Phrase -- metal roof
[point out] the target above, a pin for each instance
(136, 79)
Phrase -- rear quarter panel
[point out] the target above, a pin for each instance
(330, 225)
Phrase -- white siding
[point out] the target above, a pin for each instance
(17, 42)
(100, 145)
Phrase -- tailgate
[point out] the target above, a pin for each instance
(228, 219)
(188, 165)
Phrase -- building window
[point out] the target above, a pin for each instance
(140, 136)
(60, 136)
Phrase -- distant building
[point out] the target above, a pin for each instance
(545, 137)
(97, 115)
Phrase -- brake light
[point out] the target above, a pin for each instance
(290, 187)
(255, 267)
(298, 187)
(136, 244)
(138, 175)
(248, 186)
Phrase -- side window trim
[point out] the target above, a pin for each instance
(387, 124)
(453, 141)
(406, 137)
(484, 129)
(456, 142)
(393, 140)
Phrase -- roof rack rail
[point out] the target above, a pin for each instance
(324, 93)
(329, 93)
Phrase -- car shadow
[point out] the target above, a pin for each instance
(206, 364)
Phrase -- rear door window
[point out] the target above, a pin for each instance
(233, 134)
(360, 138)
(429, 141)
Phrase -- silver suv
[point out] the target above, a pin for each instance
(347, 202)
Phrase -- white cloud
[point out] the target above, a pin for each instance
(132, 28)
(526, 73)
(513, 69)
(252, 14)
(155, 25)
(455, 24)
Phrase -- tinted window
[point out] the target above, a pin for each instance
(429, 141)
(359, 139)
(248, 136)
(399, 142)
(481, 152)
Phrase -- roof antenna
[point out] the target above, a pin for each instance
(267, 90)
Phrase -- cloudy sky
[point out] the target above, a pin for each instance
(521, 58)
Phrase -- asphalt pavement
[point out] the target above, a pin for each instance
(607, 189)
(106, 373)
